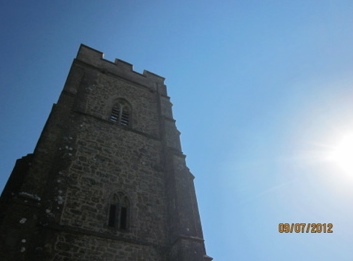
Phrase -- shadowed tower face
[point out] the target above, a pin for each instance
(107, 179)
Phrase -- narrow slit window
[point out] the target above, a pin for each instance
(112, 216)
(125, 117)
(115, 114)
(123, 218)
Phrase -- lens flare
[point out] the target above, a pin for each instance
(342, 153)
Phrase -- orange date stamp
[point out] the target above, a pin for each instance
(305, 228)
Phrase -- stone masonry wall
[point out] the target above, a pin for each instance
(107, 159)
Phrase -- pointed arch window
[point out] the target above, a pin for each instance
(121, 113)
(119, 212)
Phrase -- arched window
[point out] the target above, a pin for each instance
(119, 212)
(121, 113)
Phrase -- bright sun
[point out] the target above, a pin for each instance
(342, 153)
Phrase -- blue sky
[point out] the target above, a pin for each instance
(262, 92)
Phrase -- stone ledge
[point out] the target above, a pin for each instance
(76, 230)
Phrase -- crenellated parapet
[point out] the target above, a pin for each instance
(120, 68)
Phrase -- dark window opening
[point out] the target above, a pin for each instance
(118, 216)
(123, 218)
(112, 212)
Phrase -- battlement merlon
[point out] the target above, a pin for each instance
(121, 68)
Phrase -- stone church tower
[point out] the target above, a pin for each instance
(107, 179)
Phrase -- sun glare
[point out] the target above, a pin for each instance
(342, 153)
